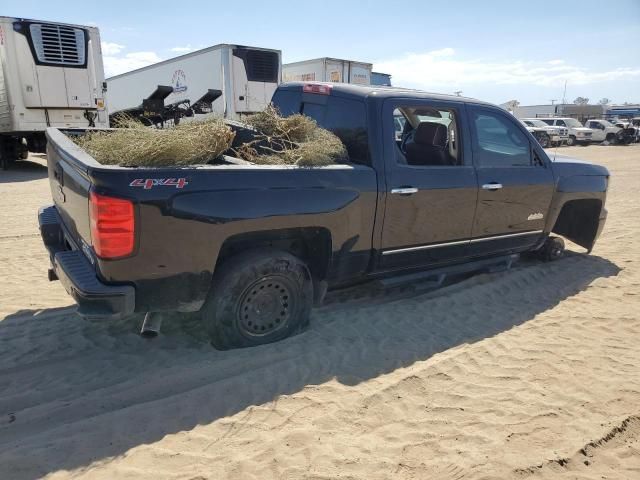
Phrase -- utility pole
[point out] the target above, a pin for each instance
(564, 94)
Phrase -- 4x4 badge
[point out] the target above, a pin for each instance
(149, 183)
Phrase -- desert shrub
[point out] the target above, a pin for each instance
(133, 144)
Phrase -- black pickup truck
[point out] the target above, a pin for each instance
(433, 184)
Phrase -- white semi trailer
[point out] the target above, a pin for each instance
(328, 70)
(244, 77)
(51, 75)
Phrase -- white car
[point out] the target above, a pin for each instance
(578, 134)
(557, 135)
(602, 130)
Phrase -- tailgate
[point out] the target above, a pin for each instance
(70, 184)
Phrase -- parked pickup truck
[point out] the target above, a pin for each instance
(251, 248)
(603, 130)
(578, 135)
(557, 135)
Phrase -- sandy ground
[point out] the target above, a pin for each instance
(532, 373)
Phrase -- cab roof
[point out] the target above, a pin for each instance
(378, 91)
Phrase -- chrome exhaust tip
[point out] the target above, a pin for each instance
(151, 325)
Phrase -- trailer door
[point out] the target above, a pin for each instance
(255, 78)
(335, 71)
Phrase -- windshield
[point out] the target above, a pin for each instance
(444, 118)
(536, 123)
(572, 122)
(606, 123)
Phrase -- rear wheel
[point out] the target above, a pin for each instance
(258, 297)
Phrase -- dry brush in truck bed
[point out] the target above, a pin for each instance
(292, 140)
(271, 139)
(133, 144)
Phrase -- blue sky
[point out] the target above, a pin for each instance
(492, 50)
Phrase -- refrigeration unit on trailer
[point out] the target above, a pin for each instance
(328, 70)
(246, 77)
(51, 75)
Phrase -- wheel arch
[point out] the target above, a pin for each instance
(580, 220)
(313, 245)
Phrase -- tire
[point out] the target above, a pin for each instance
(256, 298)
(552, 250)
(571, 141)
(611, 138)
(544, 141)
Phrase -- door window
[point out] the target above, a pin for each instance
(427, 136)
(498, 141)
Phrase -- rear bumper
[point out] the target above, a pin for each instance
(95, 299)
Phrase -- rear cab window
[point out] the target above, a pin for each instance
(345, 117)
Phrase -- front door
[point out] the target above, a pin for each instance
(598, 134)
(431, 185)
(516, 183)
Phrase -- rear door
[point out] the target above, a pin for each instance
(430, 199)
(515, 179)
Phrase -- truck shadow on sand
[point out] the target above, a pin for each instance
(77, 392)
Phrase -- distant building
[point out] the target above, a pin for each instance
(383, 79)
(623, 110)
(581, 112)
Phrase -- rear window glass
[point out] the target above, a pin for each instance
(346, 118)
(287, 102)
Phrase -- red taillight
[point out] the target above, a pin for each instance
(317, 88)
(112, 225)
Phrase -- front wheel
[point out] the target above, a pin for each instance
(553, 249)
(544, 141)
(256, 298)
(571, 141)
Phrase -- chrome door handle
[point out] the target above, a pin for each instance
(404, 190)
(492, 186)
